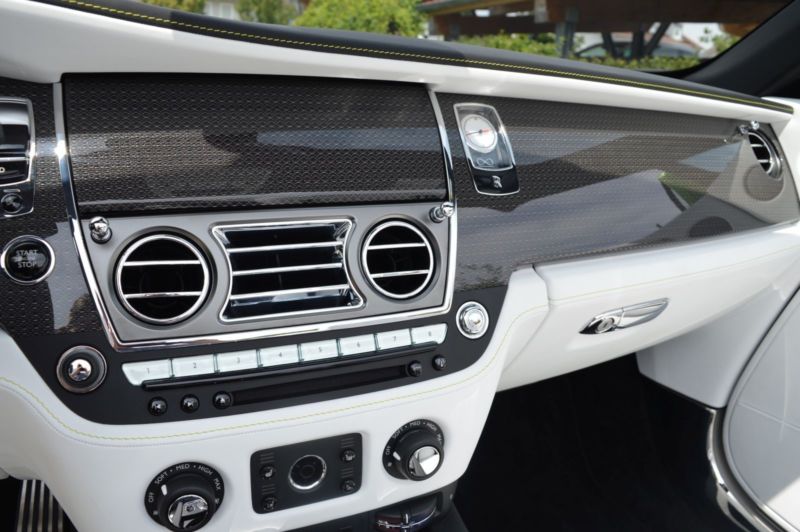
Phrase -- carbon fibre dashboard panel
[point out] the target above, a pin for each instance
(592, 180)
(601, 179)
(158, 143)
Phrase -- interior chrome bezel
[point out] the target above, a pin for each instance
(62, 154)
(370, 275)
(122, 263)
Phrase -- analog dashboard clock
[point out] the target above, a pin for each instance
(487, 149)
(479, 133)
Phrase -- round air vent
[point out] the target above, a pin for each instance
(766, 153)
(398, 259)
(162, 279)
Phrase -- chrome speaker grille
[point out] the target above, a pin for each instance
(162, 279)
(287, 268)
(765, 153)
(398, 260)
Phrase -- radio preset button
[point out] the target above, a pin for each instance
(356, 345)
(319, 350)
(138, 372)
(189, 366)
(393, 339)
(237, 361)
(429, 334)
(276, 356)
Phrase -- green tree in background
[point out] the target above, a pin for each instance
(541, 44)
(269, 11)
(398, 17)
(193, 6)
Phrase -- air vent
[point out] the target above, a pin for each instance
(766, 153)
(16, 141)
(287, 268)
(162, 279)
(398, 260)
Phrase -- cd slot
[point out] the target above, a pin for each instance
(319, 385)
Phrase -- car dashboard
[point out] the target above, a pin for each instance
(297, 295)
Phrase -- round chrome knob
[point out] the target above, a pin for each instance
(415, 451)
(187, 510)
(472, 320)
(424, 461)
(100, 230)
(79, 369)
(442, 212)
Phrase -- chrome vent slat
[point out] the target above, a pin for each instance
(399, 274)
(140, 263)
(398, 260)
(146, 295)
(308, 267)
(765, 153)
(397, 246)
(284, 247)
(282, 269)
(274, 293)
(162, 291)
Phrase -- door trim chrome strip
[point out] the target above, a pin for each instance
(62, 153)
(729, 496)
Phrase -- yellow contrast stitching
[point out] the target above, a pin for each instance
(539, 70)
(281, 420)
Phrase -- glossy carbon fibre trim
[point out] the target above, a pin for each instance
(61, 303)
(186, 142)
(398, 48)
(598, 179)
(118, 344)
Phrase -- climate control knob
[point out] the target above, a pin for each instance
(415, 451)
(185, 496)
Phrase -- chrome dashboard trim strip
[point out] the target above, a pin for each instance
(62, 153)
(447, 156)
(729, 496)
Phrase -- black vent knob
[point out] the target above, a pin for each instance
(415, 451)
(184, 497)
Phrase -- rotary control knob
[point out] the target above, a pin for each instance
(415, 451)
(472, 320)
(185, 496)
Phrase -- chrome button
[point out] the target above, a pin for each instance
(424, 461)
(473, 320)
(79, 370)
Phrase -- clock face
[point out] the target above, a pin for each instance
(479, 133)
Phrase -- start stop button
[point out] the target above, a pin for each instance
(27, 259)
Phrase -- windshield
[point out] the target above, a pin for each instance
(634, 34)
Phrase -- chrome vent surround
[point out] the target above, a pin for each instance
(162, 279)
(287, 268)
(766, 153)
(398, 259)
